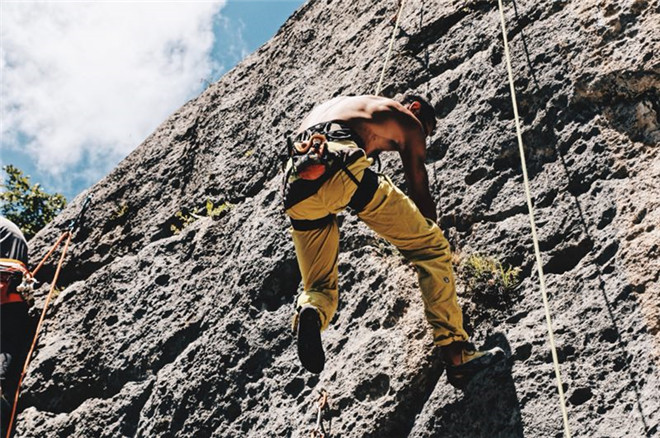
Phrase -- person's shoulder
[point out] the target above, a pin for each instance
(379, 104)
(362, 103)
(371, 99)
(9, 228)
(7, 224)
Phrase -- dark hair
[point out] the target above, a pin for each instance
(427, 112)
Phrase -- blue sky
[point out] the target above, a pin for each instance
(84, 83)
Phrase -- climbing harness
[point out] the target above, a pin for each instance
(20, 283)
(310, 160)
(309, 155)
(26, 289)
(530, 208)
(313, 157)
(323, 407)
(67, 234)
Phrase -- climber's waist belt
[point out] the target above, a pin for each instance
(333, 131)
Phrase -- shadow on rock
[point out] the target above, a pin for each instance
(491, 403)
(489, 406)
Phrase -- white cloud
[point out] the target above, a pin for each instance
(89, 81)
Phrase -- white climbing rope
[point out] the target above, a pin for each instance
(389, 50)
(530, 208)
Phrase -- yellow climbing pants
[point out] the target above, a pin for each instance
(396, 218)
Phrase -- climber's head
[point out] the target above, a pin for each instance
(421, 109)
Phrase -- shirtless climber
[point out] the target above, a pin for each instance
(328, 171)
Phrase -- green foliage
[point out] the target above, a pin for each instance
(120, 211)
(488, 282)
(28, 206)
(219, 211)
(487, 273)
(183, 218)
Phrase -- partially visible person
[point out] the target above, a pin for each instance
(15, 320)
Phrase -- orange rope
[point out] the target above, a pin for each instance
(68, 234)
(49, 253)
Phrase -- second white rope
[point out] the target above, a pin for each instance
(537, 251)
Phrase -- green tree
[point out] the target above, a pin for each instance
(28, 206)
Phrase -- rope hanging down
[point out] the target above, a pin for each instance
(389, 50)
(530, 208)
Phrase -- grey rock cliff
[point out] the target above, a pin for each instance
(188, 334)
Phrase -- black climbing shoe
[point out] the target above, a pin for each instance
(310, 348)
(472, 362)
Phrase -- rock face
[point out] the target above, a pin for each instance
(187, 334)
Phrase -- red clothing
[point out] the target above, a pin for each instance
(11, 269)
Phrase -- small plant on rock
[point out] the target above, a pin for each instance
(217, 212)
(120, 210)
(488, 280)
(182, 220)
